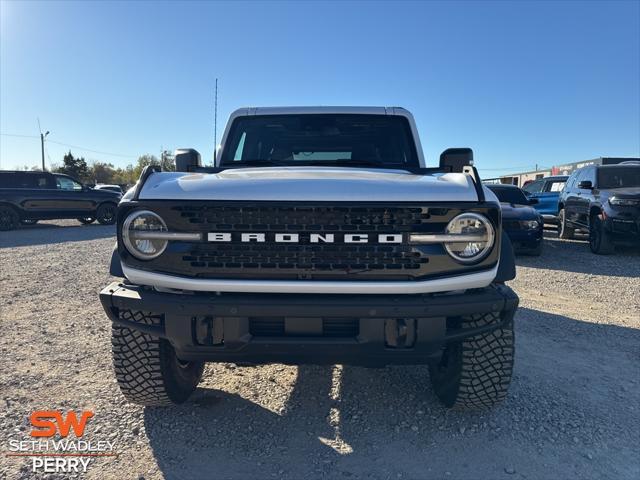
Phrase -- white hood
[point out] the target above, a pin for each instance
(310, 184)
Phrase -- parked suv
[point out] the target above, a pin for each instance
(318, 237)
(26, 197)
(605, 201)
(547, 192)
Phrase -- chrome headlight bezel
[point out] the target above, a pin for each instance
(488, 243)
(129, 240)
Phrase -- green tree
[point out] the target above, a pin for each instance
(74, 167)
(166, 162)
(143, 161)
(102, 172)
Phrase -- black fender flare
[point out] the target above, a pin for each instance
(115, 267)
(507, 265)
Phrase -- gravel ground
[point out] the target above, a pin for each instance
(573, 408)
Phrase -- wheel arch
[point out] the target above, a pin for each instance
(13, 207)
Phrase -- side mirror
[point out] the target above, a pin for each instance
(187, 160)
(533, 201)
(455, 159)
(585, 185)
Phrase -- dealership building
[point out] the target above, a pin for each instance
(521, 179)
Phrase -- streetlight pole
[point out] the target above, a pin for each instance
(42, 137)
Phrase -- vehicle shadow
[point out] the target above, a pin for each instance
(556, 251)
(353, 422)
(50, 233)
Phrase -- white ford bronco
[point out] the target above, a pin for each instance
(319, 236)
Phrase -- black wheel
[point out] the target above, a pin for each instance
(599, 240)
(86, 220)
(475, 373)
(564, 230)
(106, 214)
(28, 221)
(147, 369)
(9, 219)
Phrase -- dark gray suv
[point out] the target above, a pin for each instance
(26, 197)
(605, 201)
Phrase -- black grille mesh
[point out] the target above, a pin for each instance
(305, 219)
(319, 257)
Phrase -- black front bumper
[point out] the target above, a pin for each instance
(371, 330)
(624, 230)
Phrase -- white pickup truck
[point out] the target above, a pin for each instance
(319, 236)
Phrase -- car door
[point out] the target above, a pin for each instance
(34, 193)
(571, 196)
(585, 196)
(72, 198)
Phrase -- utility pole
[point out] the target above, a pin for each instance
(42, 137)
(215, 124)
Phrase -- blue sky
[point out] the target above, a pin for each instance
(522, 83)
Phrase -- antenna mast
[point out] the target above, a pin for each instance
(215, 124)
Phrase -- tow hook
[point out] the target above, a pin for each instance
(400, 332)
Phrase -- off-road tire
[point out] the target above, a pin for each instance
(599, 240)
(475, 373)
(564, 230)
(86, 220)
(146, 367)
(9, 218)
(106, 213)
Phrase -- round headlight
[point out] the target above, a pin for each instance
(138, 234)
(470, 224)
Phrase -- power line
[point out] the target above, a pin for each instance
(77, 147)
(16, 135)
(92, 151)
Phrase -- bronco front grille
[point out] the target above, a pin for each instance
(304, 255)
(305, 259)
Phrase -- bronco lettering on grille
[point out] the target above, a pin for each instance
(304, 237)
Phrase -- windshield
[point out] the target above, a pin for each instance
(619, 177)
(309, 139)
(510, 195)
